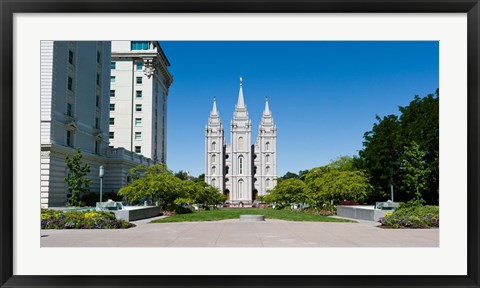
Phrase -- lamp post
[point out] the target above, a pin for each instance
(101, 172)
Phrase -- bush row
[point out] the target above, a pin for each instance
(412, 214)
(53, 219)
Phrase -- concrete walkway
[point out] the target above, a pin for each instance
(233, 233)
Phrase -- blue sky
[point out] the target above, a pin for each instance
(323, 95)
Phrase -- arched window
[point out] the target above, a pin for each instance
(240, 189)
(267, 183)
(213, 182)
(267, 158)
(267, 146)
(240, 144)
(213, 170)
(214, 145)
(267, 169)
(213, 158)
(240, 165)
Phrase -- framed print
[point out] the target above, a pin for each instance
(284, 62)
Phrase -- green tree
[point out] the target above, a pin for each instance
(208, 195)
(415, 171)
(76, 179)
(381, 156)
(287, 192)
(343, 163)
(384, 149)
(326, 184)
(420, 123)
(182, 175)
(200, 178)
(155, 186)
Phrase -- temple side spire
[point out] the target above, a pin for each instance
(267, 109)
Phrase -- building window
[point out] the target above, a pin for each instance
(70, 57)
(267, 158)
(97, 101)
(139, 80)
(138, 94)
(267, 146)
(112, 107)
(240, 189)
(113, 65)
(69, 138)
(139, 45)
(267, 169)
(138, 149)
(112, 121)
(240, 165)
(240, 144)
(213, 158)
(70, 83)
(138, 121)
(213, 182)
(98, 57)
(96, 122)
(98, 79)
(138, 135)
(112, 93)
(214, 145)
(139, 65)
(112, 79)
(97, 145)
(138, 107)
(111, 135)
(213, 170)
(267, 182)
(69, 109)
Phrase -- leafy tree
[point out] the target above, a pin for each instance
(420, 123)
(182, 175)
(163, 188)
(287, 192)
(302, 174)
(208, 195)
(381, 154)
(384, 149)
(200, 178)
(76, 181)
(343, 163)
(289, 175)
(326, 184)
(415, 171)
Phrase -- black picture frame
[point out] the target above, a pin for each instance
(9, 7)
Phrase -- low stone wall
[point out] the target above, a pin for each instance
(137, 213)
(368, 213)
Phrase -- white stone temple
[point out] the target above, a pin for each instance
(240, 170)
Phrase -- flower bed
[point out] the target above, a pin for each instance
(53, 219)
(412, 215)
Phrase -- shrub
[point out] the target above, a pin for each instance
(51, 219)
(412, 214)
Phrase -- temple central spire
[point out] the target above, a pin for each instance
(214, 109)
(240, 102)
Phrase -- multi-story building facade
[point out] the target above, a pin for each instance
(139, 84)
(239, 169)
(75, 102)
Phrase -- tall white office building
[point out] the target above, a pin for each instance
(75, 99)
(139, 84)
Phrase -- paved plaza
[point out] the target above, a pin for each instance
(233, 233)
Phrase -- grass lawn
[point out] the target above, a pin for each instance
(222, 214)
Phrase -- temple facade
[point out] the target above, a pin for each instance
(241, 170)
